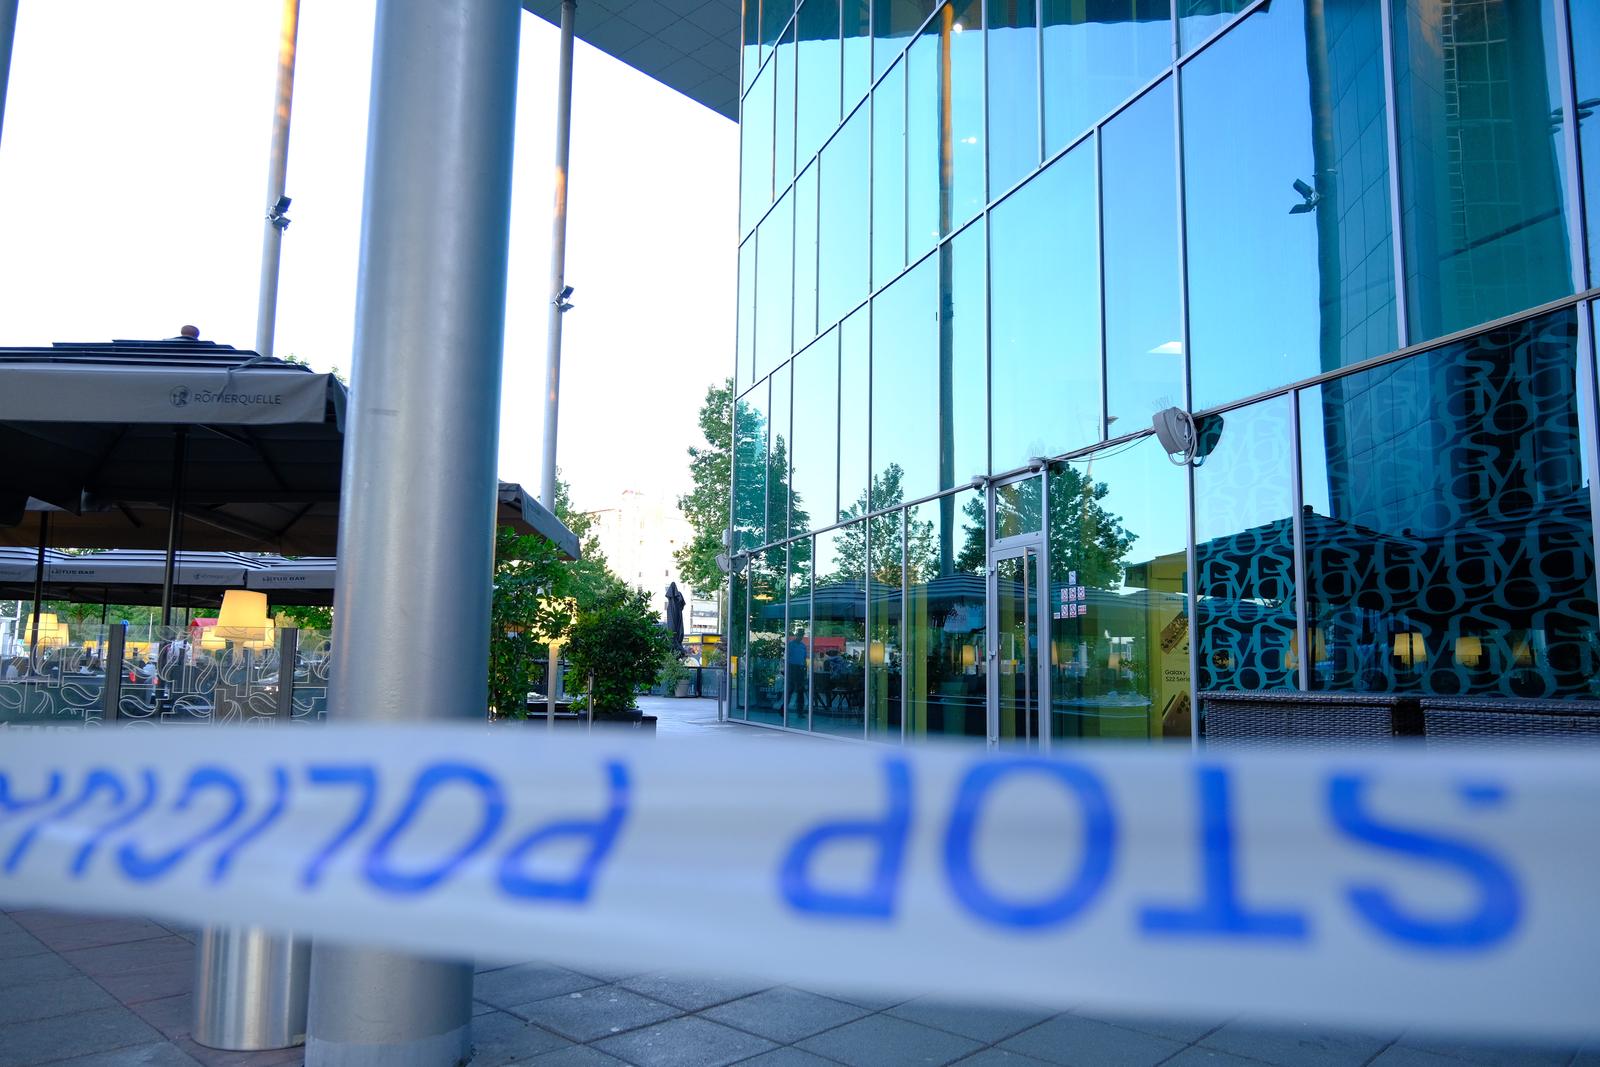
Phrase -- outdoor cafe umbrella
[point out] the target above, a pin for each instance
(675, 603)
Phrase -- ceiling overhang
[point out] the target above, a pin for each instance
(688, 45)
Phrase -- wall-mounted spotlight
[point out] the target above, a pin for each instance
(279, 213)
(562, 302)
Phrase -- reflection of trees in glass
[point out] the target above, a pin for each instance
(1084, 536)
(887, 557)
(762, 481)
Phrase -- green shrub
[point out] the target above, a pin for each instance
(619, 644)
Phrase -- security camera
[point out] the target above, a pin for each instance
(1175, 430)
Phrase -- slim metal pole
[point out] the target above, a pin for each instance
(277, 172)
(558, 257)
(416, 522)
(8, 32)
(180, 454)
(38, 589)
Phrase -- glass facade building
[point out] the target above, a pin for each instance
(982, 242)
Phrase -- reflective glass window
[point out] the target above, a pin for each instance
(751, 37)
(1018, 507)
(755, 152)
(963, 359)
(1139, 213)
(1586, 58)
(783, 121)
(946, 655)
(764, 686)
(843, 254)
(774, 286)
(814, 497)
(1481, 161)
(774, 15)
(854, 381)
(817, 91)
(750, 468)
(797, 644)
(893, 21)
(839, 633)
(905, 387)
(745, 350)
(884, 659)
(805, 257)
(778, 456)
(1096, 55)
(889, 176)
(1449, 542)
(1291, 270)
(1199, 19)
(856, 27)
(1044, 307)
(738, 626)
(1013, 97)
(1244, 550)
(1119, 624)
(944, 126)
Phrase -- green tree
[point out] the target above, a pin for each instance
(1084, 536)
(306, 616)
(617, 647)
(706, 505)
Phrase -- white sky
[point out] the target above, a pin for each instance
(133, 182)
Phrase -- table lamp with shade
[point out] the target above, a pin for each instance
(243, 617)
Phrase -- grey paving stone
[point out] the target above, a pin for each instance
(870, 1001)
(162, 1054)
(572, 1056)
(1487, 1055)
(787, 1057)
(132, 956)
(94, 933)
(28, 970)
(984, 1023)
(785, 1015)
(45, 999)
(1401, 1056)
(595, 1013)
(1297, 1046)
(216, 1057)
(686, 1042)
(692, 993)
(999, 1057)
(173, 1016)
(61, 1036)
(1184, 1031)
(17, 942)
(1200, 1056)
(527, 982)
(499, 1039)
(155, 983)
(882, 1041)
(1075, 1041)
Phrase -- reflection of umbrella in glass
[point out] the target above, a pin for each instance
(675, 604)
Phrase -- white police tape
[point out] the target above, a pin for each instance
(1453, 892)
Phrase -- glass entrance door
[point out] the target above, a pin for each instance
(1018, 681)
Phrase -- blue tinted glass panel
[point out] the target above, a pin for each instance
(854, 381)
(1044, 303)
(755, 152)
(894, 21)
(750, 469)
(815, 452)
(963, 359)
(856, 26)
(889, 176)
(738, 628)
(1449, 543)
(750, 39)
(1096, 55)
(1144, 325)
(1199, 19)
(946, 660)
(839, 641)
(1481, 162)
(843, 251)
(797, 645)
(817, 89)
(778, 457)
(1013, 93)
(884, 659)
(1290, 262)
(1586, 58)
(923, 140)
(774, 286)
(774, 15)
(905, 387)
(805, 257)
(744, 359)
(1244, 550)
(783, 124)
(944, 126)
(764, 687)
(1119, 627)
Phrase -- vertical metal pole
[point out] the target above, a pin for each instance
(38, 590)
(180, 456)
(416, 523)
(277, 172)
(558, 257)
(8, 31)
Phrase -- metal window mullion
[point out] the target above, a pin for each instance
(1193, 591)
(1589, 413)
(1570, 146)
(1298, 548)
(1046, 641)
(1100, 252)
(811, 652)
(905, 566)
(1397, 243)
(1038, 81)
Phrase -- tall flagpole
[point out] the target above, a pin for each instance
(277, 173)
